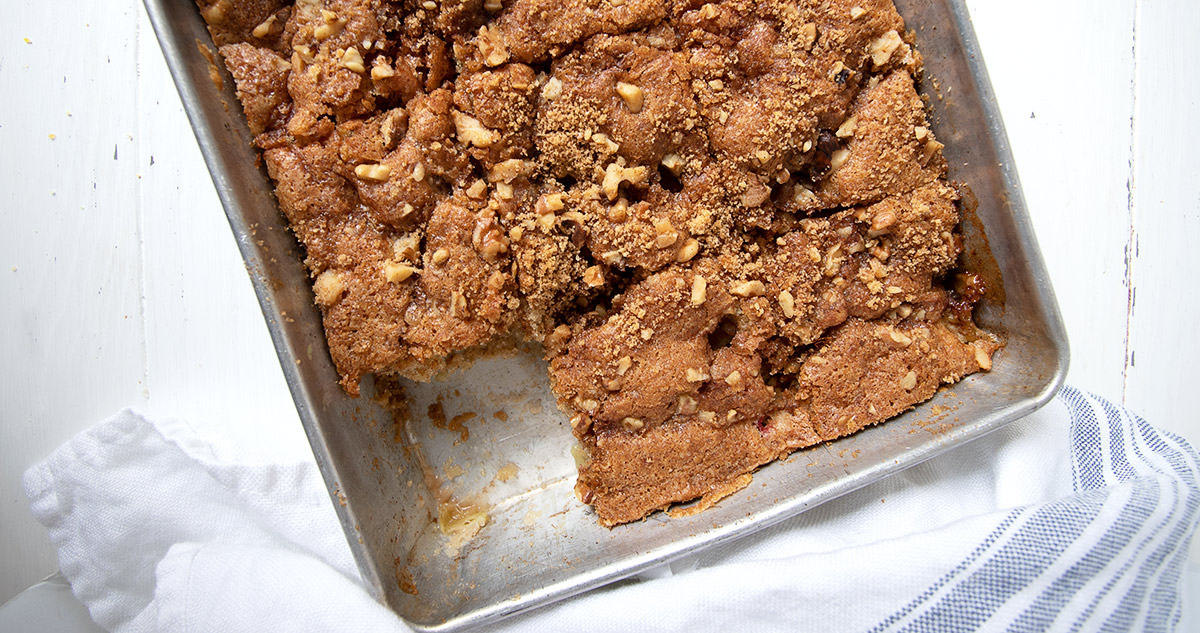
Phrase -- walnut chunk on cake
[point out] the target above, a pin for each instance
(728, 223)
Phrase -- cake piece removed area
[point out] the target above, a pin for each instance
(728, 223)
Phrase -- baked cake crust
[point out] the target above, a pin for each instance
(728, 223)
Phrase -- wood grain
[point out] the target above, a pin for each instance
(70, 261)
(1166, 221)
(209, 355)
(1070, 125)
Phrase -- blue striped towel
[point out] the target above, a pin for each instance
(1109, 557)
(1075, 518)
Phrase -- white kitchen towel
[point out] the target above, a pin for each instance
(1077, 517)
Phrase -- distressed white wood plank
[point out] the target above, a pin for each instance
(70, 271)
(210, 356)
(1163, 345)
(1064, 82)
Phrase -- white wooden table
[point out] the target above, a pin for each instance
(121, 286)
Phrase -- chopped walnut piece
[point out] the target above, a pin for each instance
(673, 162)
(932, 147)
(982, 358)
(491, 46)
(216, 13)
(381, 70)
(265, 28)
(909, 381)
(632, 95)
(509, 170)
(690, 248)
(632, 424)
(331, 26)
(623, 365)
(846, 129)
(695, 375)
(857, 12)
(440, 256)
(612, 257)
(574, 216)
(617, 173)
(619, 211)
(489, 239)
(699, 290)
(593, 277)
(752, 288)
(396, 273)
(458, 304)
(900, 337)
(329, 287)
(882, 48)
(808, 36)
(406, 248)
(606, 144)
(353, 60)
(550, 203)
(394, 125)
(471, 131)
(838, 159)
(734, 378)
(787, 303)
(376, 173)
(477, 190)
(756, 194)
(553, 89)
(804, 195)
(666, 234)
(558, 336)
(882, 223)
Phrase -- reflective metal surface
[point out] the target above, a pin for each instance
(388, 480)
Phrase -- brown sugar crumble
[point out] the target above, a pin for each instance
(728, 223)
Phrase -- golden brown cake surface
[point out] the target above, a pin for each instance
(727, 222)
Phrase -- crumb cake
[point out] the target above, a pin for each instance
(728, 223)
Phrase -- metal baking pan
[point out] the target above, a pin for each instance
(540, 544)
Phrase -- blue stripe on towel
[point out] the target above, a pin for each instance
(1139, 551)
